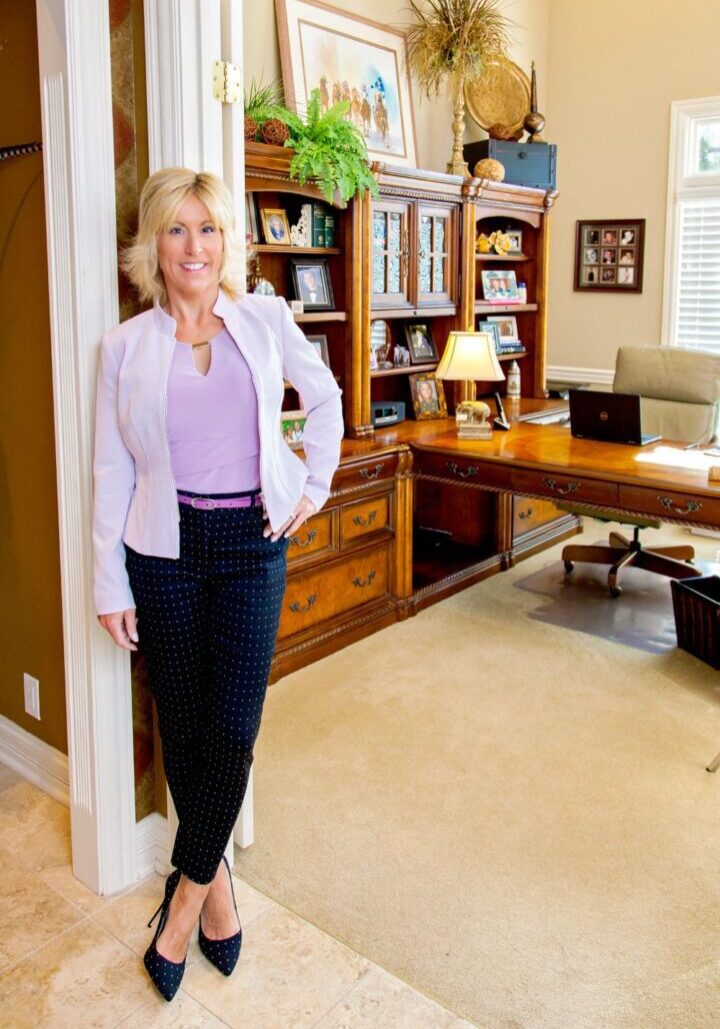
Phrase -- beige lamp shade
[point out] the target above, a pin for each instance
(469, 356)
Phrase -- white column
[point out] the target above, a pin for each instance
(182, 38)
(74, 60)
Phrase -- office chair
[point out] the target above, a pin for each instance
(680, 400)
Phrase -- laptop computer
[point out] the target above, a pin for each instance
(609, 417)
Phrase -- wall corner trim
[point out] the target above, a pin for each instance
(35, 760)
(152, 846)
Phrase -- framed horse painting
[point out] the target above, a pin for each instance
(350, 58)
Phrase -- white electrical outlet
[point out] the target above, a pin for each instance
(32, 695)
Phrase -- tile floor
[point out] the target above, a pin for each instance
(71, 959)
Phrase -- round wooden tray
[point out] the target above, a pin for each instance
(499, 96)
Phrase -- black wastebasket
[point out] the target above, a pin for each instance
(696, 603)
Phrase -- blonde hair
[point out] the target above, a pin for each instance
(162, 196)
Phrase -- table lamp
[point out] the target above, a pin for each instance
(469, 356)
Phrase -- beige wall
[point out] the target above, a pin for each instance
(433, 119)
(614, 68)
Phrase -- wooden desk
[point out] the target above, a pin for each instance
(546, 462)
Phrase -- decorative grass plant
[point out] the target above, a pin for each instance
(455, 39)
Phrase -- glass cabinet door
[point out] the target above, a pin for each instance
(436, 255)
(390, 254)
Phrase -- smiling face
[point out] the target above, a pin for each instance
(190, 251)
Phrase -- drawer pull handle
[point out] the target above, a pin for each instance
(455, 469)
(298, 609)
(295, 541)
(367, 473)
(691, 507)
(359, 520)
(361, 583)
(527, 513)
(561, 490)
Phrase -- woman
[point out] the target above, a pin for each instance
(189, 462)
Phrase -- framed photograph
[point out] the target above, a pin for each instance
(515, 240)
(500, 287)
(346, 56)
(292, 425)
(418, 337)
(275, 226)
(428, 396)
(320, 344)
(609, 255)
(507, 327)
(380, 345)
(491, 326)
(311, 283)
(251, 222)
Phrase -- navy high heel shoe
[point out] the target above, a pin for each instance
(223, 954)
(166, 975)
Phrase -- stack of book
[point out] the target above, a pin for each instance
(321, 220)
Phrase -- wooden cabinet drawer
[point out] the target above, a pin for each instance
(529, 513)
(662, 503)
(570, 488)
(315, 595)
(314, 537)
(462, 469)
(365, 473)
(364, 518)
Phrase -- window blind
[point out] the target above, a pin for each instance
(697, 315)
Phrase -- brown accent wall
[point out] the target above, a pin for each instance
(31, 638)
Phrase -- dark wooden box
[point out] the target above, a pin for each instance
(526, 164)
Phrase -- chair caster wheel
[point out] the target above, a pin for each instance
(569, 565)
(615, 592)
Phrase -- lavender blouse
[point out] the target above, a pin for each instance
(212, 421)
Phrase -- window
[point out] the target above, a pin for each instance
(691, 311)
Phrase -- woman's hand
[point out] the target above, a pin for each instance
(304, 510)
(122, 626)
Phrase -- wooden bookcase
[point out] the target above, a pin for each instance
(388, 543)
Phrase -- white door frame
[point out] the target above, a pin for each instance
(186, 126)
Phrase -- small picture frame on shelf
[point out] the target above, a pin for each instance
(428, 396)
(320, 344)
(420, 343)
(515, 237)
(380, 345)
(500, 287)
(486, 325)
(251, 222)
(292, 426)
(311, 283)
(275, 226)
(507, 327)
(609, 255)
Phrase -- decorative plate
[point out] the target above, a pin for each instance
(499, 96)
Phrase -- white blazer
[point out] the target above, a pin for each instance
(135, 499)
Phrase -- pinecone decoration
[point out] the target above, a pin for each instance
(251, 127)
(275, 132)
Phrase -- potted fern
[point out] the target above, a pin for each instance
(329, 150)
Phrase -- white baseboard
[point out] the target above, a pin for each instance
(562, 373)
(152, 852)
(34, 760)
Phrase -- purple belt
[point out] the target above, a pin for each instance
(210, 503)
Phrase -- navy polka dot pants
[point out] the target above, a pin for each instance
(207, 624)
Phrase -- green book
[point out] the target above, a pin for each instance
(318, 225)
(329, 229)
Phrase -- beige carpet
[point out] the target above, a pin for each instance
(513, 817)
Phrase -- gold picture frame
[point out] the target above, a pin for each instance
(428, 397)
(275, 226)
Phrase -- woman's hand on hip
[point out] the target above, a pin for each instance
(304, 510)
(122, 626)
